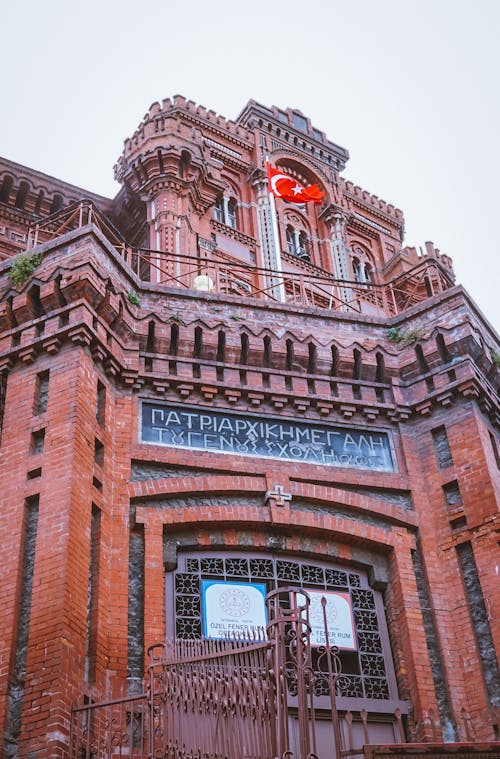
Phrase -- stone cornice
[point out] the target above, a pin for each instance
(367, 206)
(23, 218)
(124, 367)
(235, 234)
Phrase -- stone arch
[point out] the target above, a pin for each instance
(303, 172)
(226, 204)
(6, 188)
(312, 171)
(362, 264)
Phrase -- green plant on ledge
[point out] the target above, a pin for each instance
(133, 298)
(495, 355)
(23, 266)
(396, 335)
(176, 319)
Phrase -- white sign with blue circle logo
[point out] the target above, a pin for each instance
(232, 609)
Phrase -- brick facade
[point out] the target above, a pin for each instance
(174, 292)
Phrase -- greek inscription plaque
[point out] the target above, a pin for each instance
(208, 430)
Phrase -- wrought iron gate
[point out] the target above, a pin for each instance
(250, 697)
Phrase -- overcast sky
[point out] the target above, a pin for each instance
(409, 87)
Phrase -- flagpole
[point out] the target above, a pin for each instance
(276, 240)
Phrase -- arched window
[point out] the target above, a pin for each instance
(22, 194)
(219, 210)
(302, 249)
(362, 268)
(6, 188)
(367, 668)
(231, 213)
(184, 164)
(357, 269)
(57, 203)
(39, 201)
(297, 242)
(225, 211)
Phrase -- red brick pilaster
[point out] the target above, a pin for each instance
(413, 666)
(154, 584)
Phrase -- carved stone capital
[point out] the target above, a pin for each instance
(335, 216)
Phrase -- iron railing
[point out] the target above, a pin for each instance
(299, 283)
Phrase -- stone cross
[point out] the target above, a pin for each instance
(278, 495)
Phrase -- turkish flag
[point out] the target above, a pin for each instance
(287, 188)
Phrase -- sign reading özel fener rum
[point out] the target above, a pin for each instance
(213, 430)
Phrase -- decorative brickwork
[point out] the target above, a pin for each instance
(334, 418)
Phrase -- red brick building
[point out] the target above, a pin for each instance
(198, 392)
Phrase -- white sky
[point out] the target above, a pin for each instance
(409, 87)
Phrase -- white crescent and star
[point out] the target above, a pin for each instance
(277, 177)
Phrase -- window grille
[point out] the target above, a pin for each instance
(365, 673)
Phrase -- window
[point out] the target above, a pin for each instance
(442, 447)
(3, 390)
(299, 122)
(22, 194)
(57, 203)
(362, 268)
(231, 213)
(297, 243)
(41, 393)
(219, 210)
(302, 249)
(367, 671)
(6, 188)
(225, 211)
(494, 447)
(362, 271)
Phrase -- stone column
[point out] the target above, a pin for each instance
(225, 201)
(268, 238)
(337, 220)
(163, 220)
(296, 239)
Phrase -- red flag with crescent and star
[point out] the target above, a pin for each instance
(287, 188)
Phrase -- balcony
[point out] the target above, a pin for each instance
(211, 270)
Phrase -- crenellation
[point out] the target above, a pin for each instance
(363, 195)
(179, 101)
(415, 254)
(345, 338)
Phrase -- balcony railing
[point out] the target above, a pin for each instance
(299, 283)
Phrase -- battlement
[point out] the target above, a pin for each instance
(416, 254)
(292, 126)
(179, 102)
(377, 203)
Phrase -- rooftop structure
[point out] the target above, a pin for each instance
(250, 461)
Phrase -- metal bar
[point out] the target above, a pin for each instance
(332, 656)
(123, 700)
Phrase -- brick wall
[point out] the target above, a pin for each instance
(94, 520)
